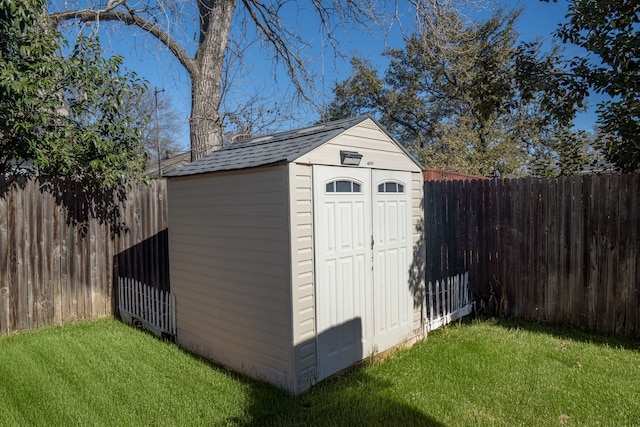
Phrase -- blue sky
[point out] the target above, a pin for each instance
(163, 72)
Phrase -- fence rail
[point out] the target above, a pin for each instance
(563, 250)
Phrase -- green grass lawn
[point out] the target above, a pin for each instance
(476, 373)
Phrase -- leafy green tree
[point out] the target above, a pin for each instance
(63, 117)
(565, 152)
(473, 102)
(609, 31)
(28, 66)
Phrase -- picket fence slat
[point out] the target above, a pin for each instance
(153, 308)
(447, 300)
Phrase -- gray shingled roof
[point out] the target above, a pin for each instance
(265, 150)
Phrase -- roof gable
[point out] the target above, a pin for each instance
(283, 147)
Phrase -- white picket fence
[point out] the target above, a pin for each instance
(447, 300)
(153, 309)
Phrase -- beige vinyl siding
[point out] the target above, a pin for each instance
(417, 196)
(229, 245)
(302, 265)
(377, 149)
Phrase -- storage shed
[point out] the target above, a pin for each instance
(296, 255)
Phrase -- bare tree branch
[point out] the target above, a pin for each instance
(128, 18)
(267, 22)
(208, 66)
(441, 20)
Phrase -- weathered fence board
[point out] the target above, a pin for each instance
(564, 250)
(59, 258)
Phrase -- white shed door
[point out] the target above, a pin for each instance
(392, 255)
(343, 267)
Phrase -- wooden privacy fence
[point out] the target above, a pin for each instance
(563, 250)
(62, 249)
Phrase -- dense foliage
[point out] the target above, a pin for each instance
(63, 117)
(473, 100)
(609, 30)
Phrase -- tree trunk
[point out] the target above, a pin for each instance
(205, 122)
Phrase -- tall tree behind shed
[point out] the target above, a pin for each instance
(465, 96)
(163, 20)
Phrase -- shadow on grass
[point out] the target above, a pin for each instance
(352, 399)
(567, 332)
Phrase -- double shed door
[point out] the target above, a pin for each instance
(363, 256)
